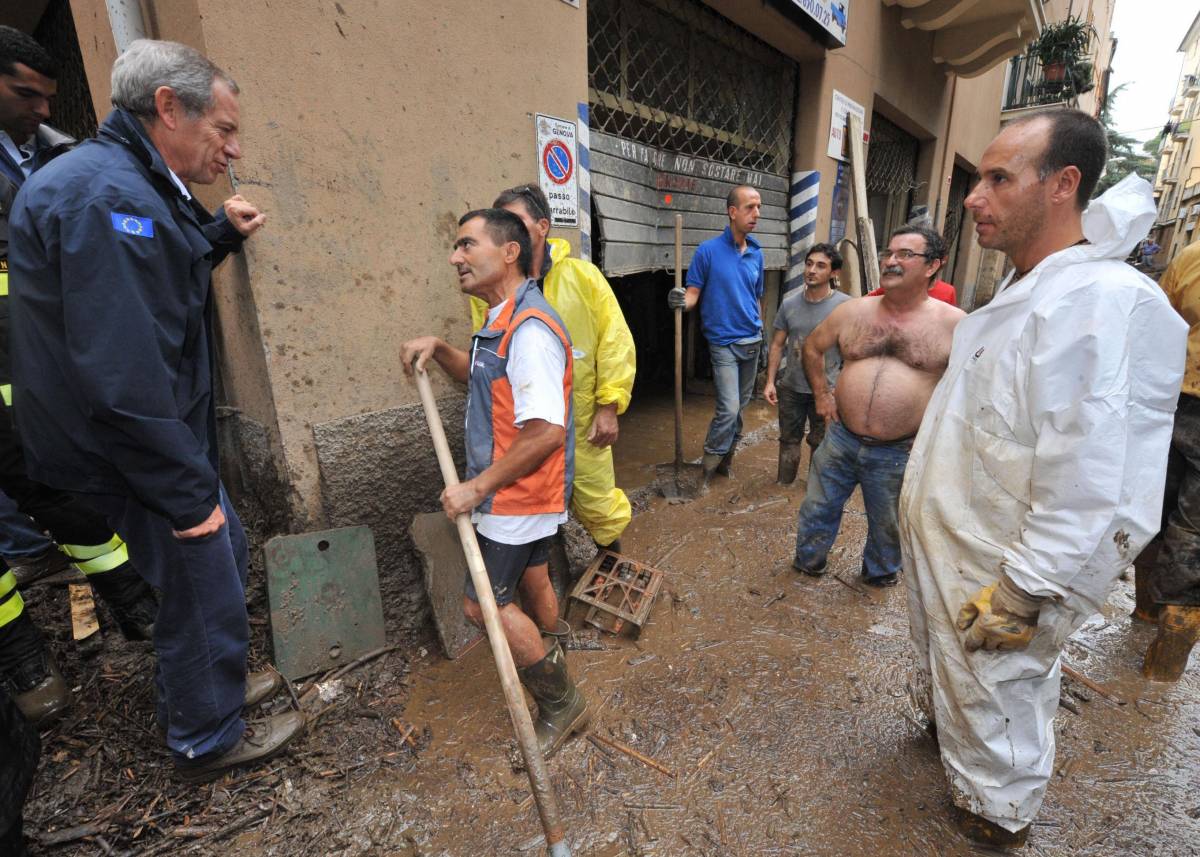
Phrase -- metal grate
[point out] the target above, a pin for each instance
(891, 158)
(72, 112)
(675, 75)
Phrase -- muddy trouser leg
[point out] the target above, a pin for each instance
(202, 632)
(881, 474)
(722, 431)
(792, 412)
(816, 424)
(19, 752)
(830, 484)
(1176, 578)
(747, 357)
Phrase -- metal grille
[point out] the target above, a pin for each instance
(675, 75)
(72, 112)
(891, 158)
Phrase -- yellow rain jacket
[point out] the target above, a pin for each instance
(604, 367)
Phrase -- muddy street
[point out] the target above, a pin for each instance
(779, 705)
(774, 708)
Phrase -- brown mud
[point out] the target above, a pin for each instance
(777, 703)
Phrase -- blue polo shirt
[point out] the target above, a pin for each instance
(730, 284)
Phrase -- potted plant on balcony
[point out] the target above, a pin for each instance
(1059, 47)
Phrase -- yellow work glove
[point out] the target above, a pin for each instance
(999, 618)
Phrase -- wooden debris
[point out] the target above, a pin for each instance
(779, 596)
(1074, 674)
(632, 753)
(83, 611)
(309, 695)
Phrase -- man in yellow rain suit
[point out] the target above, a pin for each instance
(604, 367)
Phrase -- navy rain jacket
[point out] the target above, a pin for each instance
(112, 353)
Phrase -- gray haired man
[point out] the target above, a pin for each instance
(111, 294)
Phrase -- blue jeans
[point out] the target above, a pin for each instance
(839, 463)
(734, 369)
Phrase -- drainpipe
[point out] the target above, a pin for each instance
(125, 18)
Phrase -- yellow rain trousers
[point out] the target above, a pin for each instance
(604, 367)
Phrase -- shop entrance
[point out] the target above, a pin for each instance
(684, 105)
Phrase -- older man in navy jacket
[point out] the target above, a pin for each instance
(111, 262)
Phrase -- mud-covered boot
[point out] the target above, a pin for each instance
(131, 600)
(1145, 608)
(985, 832)
(561, 635)
(562, 709)
(789, 462)
(708, 465)
(28, 569)
(725, 468)
(30, 674)
(1178, 632)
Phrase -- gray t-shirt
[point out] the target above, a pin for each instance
(799, 317)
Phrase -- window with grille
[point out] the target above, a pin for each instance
(72, 112)
(675, 75)
(891, 175)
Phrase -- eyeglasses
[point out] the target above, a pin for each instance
(527, 193)
(902, 255)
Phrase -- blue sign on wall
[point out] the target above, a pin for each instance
(831, 15)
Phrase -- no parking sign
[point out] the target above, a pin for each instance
(556, 154)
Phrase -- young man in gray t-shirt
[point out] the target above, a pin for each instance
(800, 312)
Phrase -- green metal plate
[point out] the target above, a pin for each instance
(323, 589)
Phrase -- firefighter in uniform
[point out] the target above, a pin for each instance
(26, 144)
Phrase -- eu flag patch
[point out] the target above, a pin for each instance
(131, 224)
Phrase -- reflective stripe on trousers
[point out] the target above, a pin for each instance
(11, 603)
(95, 559)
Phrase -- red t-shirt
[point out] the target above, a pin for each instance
(941, 290)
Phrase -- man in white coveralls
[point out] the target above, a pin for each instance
(1037, 474)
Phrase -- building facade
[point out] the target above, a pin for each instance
(368, 127)
(1177, 183)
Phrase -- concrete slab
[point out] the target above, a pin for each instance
(444, 567)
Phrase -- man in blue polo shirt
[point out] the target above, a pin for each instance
(726, 279)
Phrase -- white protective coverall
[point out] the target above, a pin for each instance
(1042, 454)
(604, 367)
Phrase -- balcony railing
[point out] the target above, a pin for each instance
(1030, 84)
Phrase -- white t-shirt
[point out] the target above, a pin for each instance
(535, 370)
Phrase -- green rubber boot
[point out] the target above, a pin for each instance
(562, 709)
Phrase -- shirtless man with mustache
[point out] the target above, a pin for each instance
(894, 350)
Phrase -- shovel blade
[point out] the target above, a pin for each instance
(680, 485)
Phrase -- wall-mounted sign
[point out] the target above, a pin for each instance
(843, 107)
(557, 157)
(829, 14)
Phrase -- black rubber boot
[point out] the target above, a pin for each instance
(789, 462)
(725, 468)
(28, 569)
(562, 709)
(560, 635)
(709, 465)
(30, 674)
(987, 832)
(131, 600)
